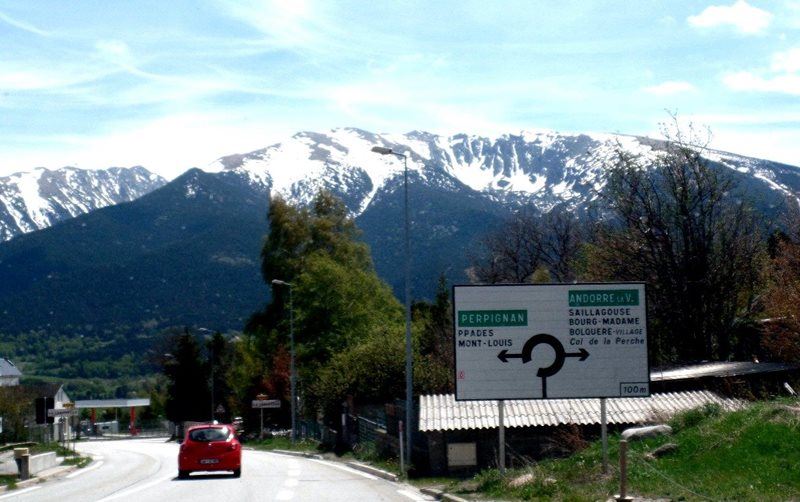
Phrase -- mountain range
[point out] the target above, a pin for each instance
(187, 253)
(37, 199)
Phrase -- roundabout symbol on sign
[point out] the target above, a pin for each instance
(547, 371)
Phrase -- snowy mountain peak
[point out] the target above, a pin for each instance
(39, 198)
(541, 167)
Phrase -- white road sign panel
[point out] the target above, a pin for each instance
(266, 403)
(62, 412)
(549, 341)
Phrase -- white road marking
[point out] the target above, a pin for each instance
(412, 495)
(14, 493)
(92, 467)
(345, 468)
(135, 489)
(293, 473)
(285, 495)
(291, 483)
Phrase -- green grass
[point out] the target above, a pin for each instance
(81, 462)
(71, 457)
(9, 481)
(284, 443)
(753, 454)
(368, 453)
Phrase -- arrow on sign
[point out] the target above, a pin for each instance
(583, 354)
(547, 371)
(505, 356)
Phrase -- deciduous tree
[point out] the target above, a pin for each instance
(679, 223)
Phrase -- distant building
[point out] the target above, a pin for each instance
(740, 379)
(9, 374)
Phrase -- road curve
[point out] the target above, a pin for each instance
(146, 469)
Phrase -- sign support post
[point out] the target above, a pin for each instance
(502, 433)
(400, 437)
(604, 433)
(262, 402)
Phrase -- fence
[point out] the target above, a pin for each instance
(309, 429)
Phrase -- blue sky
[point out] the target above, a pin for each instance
(171, 85)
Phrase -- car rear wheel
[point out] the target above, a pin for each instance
(237, 473)
(183, 474)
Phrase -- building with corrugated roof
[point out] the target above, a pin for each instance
(463, 435)
(9, 373)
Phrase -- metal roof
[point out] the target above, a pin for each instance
(112, 403)
(8, 369)
(720, 369)
(441, 412)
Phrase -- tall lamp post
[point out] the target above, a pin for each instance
(292, 375)
(409, 368)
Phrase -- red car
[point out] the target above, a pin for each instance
(210, 448)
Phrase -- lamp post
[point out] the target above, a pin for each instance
(292, 375)
(409, 367)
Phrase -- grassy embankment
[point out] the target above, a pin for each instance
(752, 454)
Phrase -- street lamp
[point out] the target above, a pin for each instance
(409, 369)
(292, 375)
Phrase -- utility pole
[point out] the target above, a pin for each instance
(292, 372)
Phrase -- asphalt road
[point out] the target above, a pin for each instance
(147, 469)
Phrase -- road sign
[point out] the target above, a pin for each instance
(266, 403)
(547, 341)
(62, 412)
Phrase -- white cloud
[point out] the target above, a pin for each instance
(776, 145)
(787, 61)
(783, 76)
(113, 49)
(168, 145)
(27, 76)
(288, 24)
(767, 118)
(670, 88)
(23, 25)
(747, 81)
(740, 15)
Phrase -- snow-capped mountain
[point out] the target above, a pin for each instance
(40, 198)
(542, 168)
(201, 233)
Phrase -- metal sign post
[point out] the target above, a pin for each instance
(604, 433)
(502, 435)
(261, 402)
(62, 412)
(400, 437)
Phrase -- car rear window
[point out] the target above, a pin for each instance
(209, 434)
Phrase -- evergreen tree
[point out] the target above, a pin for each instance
(188, 396)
